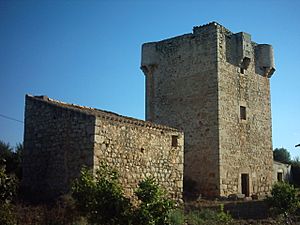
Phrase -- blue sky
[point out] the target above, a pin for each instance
(88, 53)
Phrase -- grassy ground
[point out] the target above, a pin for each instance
(64, 213)
(244, 212)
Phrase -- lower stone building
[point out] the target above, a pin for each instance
(281, 172)
(60, 138)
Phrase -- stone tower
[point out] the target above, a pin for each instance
(214, 85)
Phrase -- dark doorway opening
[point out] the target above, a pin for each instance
(245, 184)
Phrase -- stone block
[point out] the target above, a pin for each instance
(235, 197)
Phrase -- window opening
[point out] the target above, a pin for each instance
(174, 140)
(279, 176)
(243, 113)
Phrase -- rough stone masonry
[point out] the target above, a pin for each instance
(214, 85)
(60, 138)
(211, 84)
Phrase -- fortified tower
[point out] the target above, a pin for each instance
(214, 85)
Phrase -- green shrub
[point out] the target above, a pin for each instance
(284, 198)
(224, 217)
(209, 217)
(195, 218)
(176, 217)
(7, 217)
(100, 197)
(155, 206)
(8, 186)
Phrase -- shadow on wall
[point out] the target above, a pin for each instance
(190, 192)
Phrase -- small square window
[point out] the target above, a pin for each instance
(243, 113)
(174, 140)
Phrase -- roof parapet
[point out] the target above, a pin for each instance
(100, 113)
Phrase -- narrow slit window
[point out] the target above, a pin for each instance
(242, 70)
(174, 140)
(243, 113)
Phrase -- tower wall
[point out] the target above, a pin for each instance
(182, 92)
(214, 85)
(245, 142)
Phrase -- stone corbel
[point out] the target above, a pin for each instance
(268, 71)
(148, 69)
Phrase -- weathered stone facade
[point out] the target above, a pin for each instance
(214, 85)
(60, 138)
(211, 84)
(281, 172)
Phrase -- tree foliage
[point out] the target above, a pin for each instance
(281, 155)
(284, 198)
(11, 158)
(296, 171)
(8, 164)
